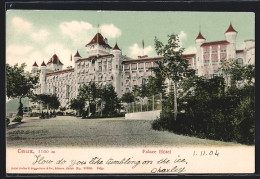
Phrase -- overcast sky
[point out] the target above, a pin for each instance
(35, 35)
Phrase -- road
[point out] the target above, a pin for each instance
(70, 131)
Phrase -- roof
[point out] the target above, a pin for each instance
(230, 29)
(98, 38)
(35, 64)
(55, 60)
(214, 43)
(156, 59)
(239, 51)
(116, 47)
(62, 71)
(188, 55)
(143, 60)
(77, 54)
(43, 64)
(92, 57)
(200, 36)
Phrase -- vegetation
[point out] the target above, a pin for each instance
(19, 84)
(18, 119)
(220, 108)
(172, 66)
(100, 101)
(51, 102)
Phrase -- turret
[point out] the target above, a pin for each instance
(43, 77)
(116, 51)
(116, 66)
(231, 35)
(199, 41)
(76, 57)
(35, 67)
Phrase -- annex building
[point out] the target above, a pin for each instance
(107, 65)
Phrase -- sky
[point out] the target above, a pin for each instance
(35, 35)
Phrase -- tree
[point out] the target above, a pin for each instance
(143, 92)
(51, 101)
(156, 84)
(235, 72)
(110, 99)
(77, 104)
(90, 93)
(127, 98)
(19, 83)
(172, 66)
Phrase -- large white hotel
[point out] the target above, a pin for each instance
(104, 67)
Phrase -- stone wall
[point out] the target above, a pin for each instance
(148, 115)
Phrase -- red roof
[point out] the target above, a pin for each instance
(230, 29)
(214, 43)
(55, 60)
(35, 64)
(143, 60)
(116, 47)
(92, 57)
(200, 36)
(239, 51)
(77, 54)
(188, 55)
(62, 71)
(43, 64)
(98, 38)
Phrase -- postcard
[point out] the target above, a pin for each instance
(130, 92)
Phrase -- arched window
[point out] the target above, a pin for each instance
(240, 61)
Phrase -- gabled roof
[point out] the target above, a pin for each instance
(92, 57)
(77, 54)
(55, 60)
(35, 64)
(98, 39)
(62, 71)
(200, 36)
(239, 51)
(43, 64)
(143, 60)
(230, 29)
(116, 47)
(188, 55)
(214, 43)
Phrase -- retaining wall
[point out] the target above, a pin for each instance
(148, 115)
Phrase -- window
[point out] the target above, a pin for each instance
(240, 61)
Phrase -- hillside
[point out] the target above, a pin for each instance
(13, 104)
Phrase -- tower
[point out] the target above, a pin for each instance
(231, 35)
(35, 68)
(116, 66)
(98, 46)
(43, 78)
(199, 56)
(54, 63)
(76, 57)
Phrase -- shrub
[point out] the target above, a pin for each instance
(18, 119)
(42, 115)
(34, 114)
(227, 117)
(59, 113)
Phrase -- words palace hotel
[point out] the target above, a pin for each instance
(104, 67)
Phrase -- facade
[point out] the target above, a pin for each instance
(104, 67)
